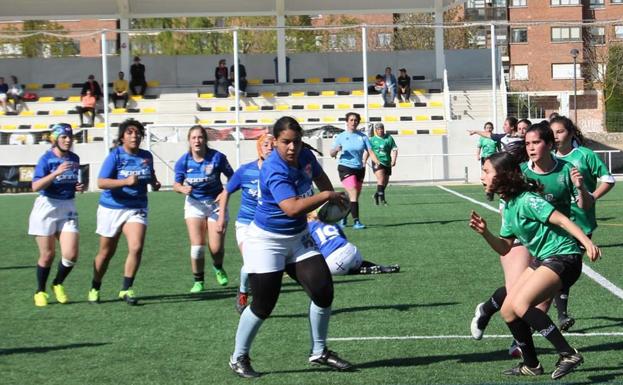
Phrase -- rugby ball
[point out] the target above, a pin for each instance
(332, 212)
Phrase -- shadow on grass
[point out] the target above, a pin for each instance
(440, 222)
(399, 307)
(172, 298)
(46, 349)
(612, 245)
(336, 281)
(17, 267)
(613, 322)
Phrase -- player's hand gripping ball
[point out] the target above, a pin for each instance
(332, 212)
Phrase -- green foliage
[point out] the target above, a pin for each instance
(42, 45)
(613, 88)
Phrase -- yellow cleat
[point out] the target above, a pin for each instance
(59, 293)
(41, 299)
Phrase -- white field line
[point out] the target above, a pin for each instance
(592, 274)
(464, 337)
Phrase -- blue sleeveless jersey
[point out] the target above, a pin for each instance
(120, 165)
(64, 185)
(205, 176)
(278, 182)
(247, 178)
(328, 238)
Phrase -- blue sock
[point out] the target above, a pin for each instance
(319, 327)
(244, 280)
(248, 326)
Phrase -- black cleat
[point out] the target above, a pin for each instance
(243, 368)
(566, 363)
(390, 269)
(524, 370)
(375, 269)
(331, 359)
(565, 323)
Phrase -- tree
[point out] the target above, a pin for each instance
(42, 45)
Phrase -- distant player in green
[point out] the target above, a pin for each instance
(486, 146)
(569, 147)
(549, 236)
(386, 151)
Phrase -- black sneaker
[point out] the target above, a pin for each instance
(390, 269)
(566, 363)
(243, 368)
(384, 202)
(524, 370)
(331, 359)
(376, 198)
(565, 323)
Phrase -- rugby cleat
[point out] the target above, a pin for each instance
(390, 269)
(375, 269)
(479, 322)
(524, 370)
(565, 323)
(566, 363)
(343, 223)
(129, 297)
(59, 293)
(221, 276)
(242, 367)
(515, 350)
(94, 296)
(198, 287)
(41, 299)
(242, 301)
(358, 225)
(330, 358)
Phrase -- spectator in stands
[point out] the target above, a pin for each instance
(92, 85)
(120, 91)
(4, 90)
(242, 80)
(137, 77)
(404, 86)
(377, 87)
(221, 79)
(88, 105)
(16, 94)
(389, 91)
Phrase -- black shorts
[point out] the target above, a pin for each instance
(568, 267)
(345, 172)
(376, 167)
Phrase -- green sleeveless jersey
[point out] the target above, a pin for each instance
(382, 148)
(558, 188)
(487, 147)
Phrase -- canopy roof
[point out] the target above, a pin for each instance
(116, 9)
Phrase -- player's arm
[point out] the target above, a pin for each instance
(109, 183)
(500, 245)
(484, 134)
(584, 198)
(394, 155)
(602, 189)
(560, 220)
(46, 181)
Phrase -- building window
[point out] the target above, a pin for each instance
(557, 3)
(342, 42)
(565, 34)
(598, 72)
(11, 49)
(520, 3)
(384, 40)
(616, 1)
(596, 3)
(598, 35)
(519, 72)
(519, 35)
(618, 31)
(565, 71)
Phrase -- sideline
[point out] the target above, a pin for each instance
(465, 337)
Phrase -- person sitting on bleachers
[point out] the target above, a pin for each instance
(120, 91)
(221, 79)
(242, 80)
(4, 90)
(137, 77)
(377, 87)
(389, 91)
(92, 85)
(404, 86)
(16, 94)
(88, 105)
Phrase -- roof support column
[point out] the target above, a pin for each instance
(440, 61)
(124, 46)
(494, 94)
(281, 41)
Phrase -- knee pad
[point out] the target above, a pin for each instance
(197, 252)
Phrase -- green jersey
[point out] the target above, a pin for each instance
(592, 169)
(526, 217)
(382, 148)
(487, 147)
(558, 188)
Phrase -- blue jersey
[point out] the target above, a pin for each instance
(64, 185)
(280, 181)
(247, 178)
(353, 146)
(328, 237)
(120, 165)
(205, 176)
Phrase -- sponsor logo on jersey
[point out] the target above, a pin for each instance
(208, 168)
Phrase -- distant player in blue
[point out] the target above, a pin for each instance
(124, 176)
(341, 256)
(278, 241)
(351, 167)
(198, 176)
(54, 214)
(247, 178)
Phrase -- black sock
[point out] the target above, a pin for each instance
(494, 303)
(96, 285)
(523, 335)
(544, 325)
(199, 277)
(62, 273)
(354, 210)
(218, 266)
(42, 277)
(381, 192)
(562, 300)
(127, 282)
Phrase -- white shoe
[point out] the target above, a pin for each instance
(478, 314)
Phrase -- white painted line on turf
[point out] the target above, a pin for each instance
(465, 337)
(592, 274)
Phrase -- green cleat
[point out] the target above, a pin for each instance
(198, 287)
(41, 299)
(221, 277)
(129, 297)
(94, 296)
(59, 293)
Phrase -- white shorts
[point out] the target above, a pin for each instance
(202, 209)
(266, 252)
(50, 216)
(110, 221)
(344, 259)
(241, 232)
(2, 97)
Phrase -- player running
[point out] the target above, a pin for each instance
(386, 151)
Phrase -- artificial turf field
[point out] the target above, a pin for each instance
(177, 338)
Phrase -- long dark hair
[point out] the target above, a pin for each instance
(509, 181)
(289, 123)
(571, 128)
(127, 123)
(512, 121)
(544, 130)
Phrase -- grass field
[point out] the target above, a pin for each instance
(177, 338)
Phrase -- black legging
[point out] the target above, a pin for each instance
(312, 273)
